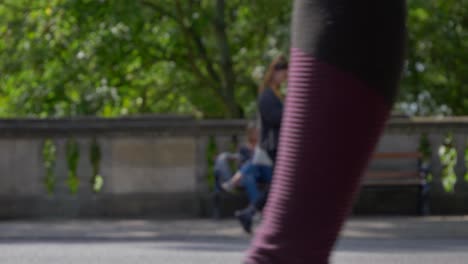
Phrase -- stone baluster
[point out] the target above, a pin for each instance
(84, 171)
(202, 164)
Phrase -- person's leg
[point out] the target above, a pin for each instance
(231, 184)
(236, 180)
(265, 174)
(250, 177)
(259, 175)
(265, 179)
(346, 61)
(249, 182)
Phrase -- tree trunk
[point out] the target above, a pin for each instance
(228, 80)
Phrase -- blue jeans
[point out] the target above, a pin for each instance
(253, 174)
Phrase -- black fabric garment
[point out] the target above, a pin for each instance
(271, 114)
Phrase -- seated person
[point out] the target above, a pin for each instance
(258, 170)
(249, 176)
(222, 167)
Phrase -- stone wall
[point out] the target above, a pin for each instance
(159, 166)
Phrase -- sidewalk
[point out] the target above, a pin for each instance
(378, 228)
(365, 241)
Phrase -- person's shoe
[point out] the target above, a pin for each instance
(245, 218)
(245, 221)
(228, 187)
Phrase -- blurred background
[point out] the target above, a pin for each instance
(113, 110)
(108, 58)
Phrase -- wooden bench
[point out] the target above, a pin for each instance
(387, 170)
(399, 170)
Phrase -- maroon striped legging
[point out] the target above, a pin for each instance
(346, 61)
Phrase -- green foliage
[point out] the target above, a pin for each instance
(97, 181)
(200, 57)
(448, 159)
(73, 157)
(49, 157)
(435, 79)
(118, 57)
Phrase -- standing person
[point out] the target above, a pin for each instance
(346, 62)
(260, 169)
(270, 106)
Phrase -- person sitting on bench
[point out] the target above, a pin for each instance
(222, 168)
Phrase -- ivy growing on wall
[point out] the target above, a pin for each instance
(73, 156)
(448, 159)
(49, 158)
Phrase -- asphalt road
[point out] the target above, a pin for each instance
(364, 241)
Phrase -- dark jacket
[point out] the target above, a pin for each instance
(245, 154)
(271, 113)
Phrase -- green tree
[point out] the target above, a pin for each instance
(202, 57)
(114, 57)
(436, 79)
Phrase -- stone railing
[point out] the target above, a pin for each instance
(159, 166)
(149, 166)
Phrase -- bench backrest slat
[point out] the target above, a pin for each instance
(394, 168)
